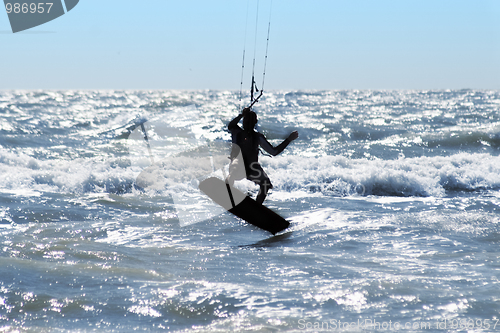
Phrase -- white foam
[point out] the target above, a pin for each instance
(422, 176)
(182, 120)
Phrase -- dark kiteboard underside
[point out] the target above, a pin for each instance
(241, 205)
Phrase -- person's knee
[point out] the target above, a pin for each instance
(266, 186)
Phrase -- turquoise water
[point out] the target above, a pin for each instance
(392, 197)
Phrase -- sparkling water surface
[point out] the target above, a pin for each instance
(393, 199)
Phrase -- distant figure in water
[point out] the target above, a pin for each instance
(248, 141)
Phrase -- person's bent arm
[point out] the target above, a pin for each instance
(234, 123)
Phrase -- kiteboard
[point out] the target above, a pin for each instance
(241, 205)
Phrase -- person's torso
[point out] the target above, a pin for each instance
(249, 145)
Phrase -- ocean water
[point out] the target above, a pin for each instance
(393, 199)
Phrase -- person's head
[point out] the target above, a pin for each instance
(250, 121)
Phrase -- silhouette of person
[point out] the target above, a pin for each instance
(248, 141)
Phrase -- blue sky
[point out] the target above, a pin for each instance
(316, 44)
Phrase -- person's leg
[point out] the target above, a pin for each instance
(259, 177)
(265, 186)
(262, 193)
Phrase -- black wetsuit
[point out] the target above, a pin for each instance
(249, 143)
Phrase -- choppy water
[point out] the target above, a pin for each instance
(393, 198)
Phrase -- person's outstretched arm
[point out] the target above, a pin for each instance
(278, 149)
